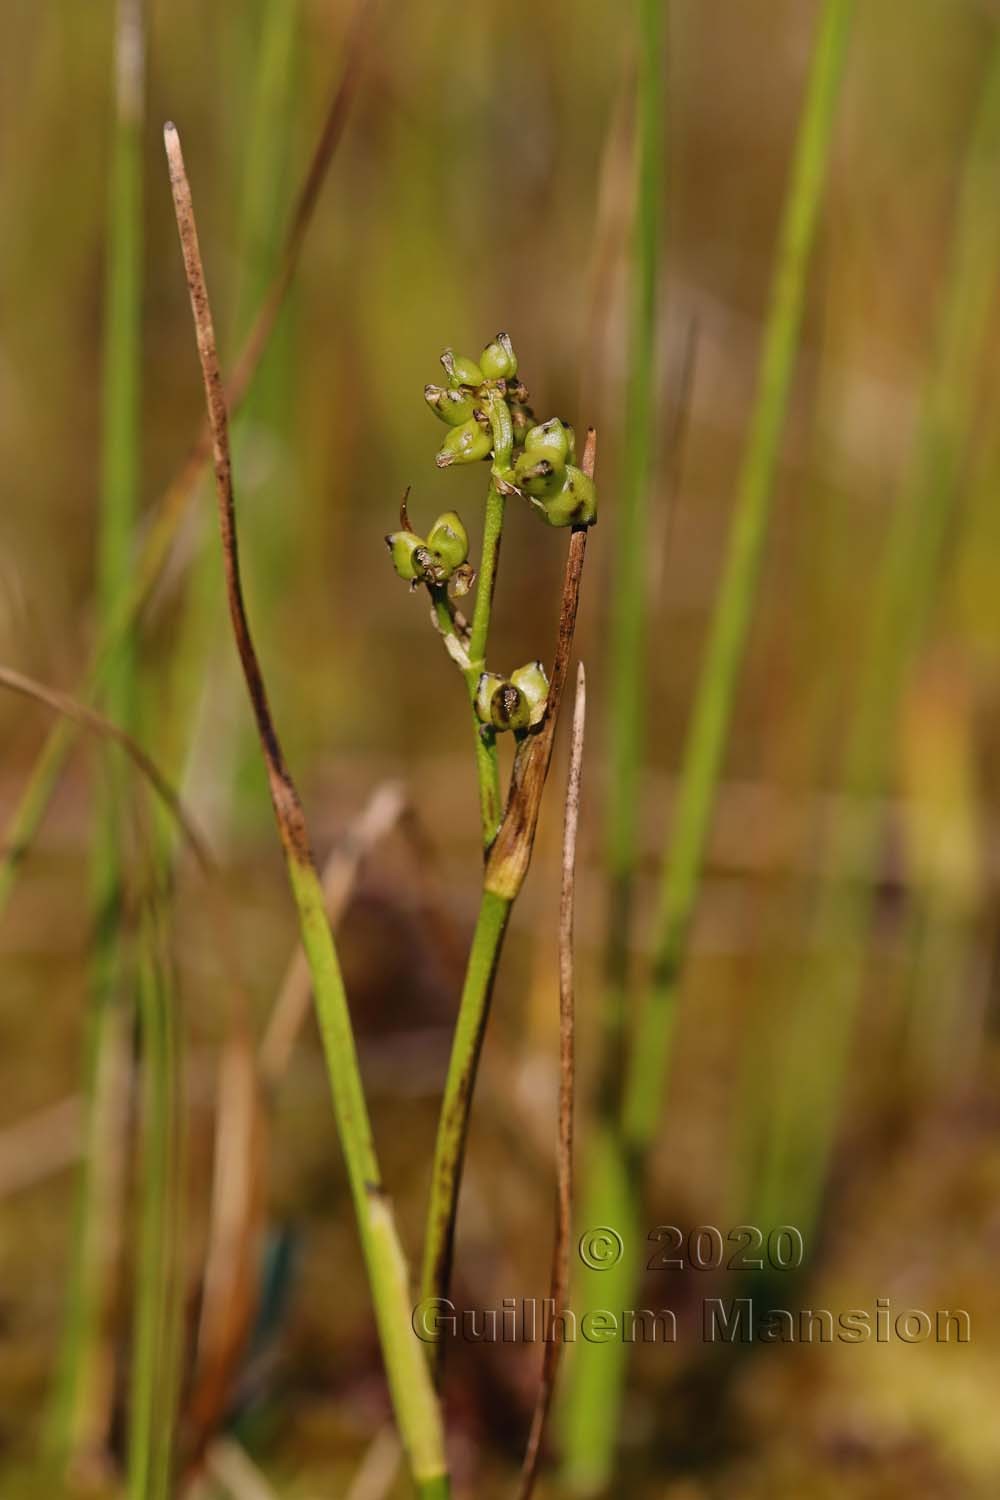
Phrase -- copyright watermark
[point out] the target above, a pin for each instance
(732, 1320)
(600, 1248)
(745, 1247)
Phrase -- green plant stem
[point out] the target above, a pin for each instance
(705, 746)
(154, 1357)
(598, 1378)
(487, 765)
(83, 1416)
(453, 1122)
(487, 762)
(803, 1124)
(506, 868)
(406, 1368)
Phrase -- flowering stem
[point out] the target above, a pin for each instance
(506, 868)
(453, 1125)
(487, 766)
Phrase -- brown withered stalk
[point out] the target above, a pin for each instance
(414, 1399)
(559, 1281)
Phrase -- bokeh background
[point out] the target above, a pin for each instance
(484, 180)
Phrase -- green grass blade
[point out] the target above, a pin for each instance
(591, 1422)
(155, 1348)
(705, 746)
(120, 474)
(798, 1151)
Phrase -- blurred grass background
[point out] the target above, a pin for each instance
(485, 181)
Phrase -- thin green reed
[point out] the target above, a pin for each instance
(77, 1414)
(593, 1420)
(155, 1364)
(797, 1153)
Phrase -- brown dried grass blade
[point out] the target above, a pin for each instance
(559, 1284)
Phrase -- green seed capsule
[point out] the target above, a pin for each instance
(466, 444)
(403, 545)
(537, 476)
(498, 360)
(532, 682)
(448, 541)
(551, 440)
(452, 407)
(488, 684)
(575, 502)
(460, 370)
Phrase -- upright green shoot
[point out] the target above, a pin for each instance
(82, 1412)
(157, 1300)
(798, 1150)
(592, 1418)
(706, 742)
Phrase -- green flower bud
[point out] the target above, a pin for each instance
(466, 444)
(533, 683)
(452, 407)
(460, 370)
(498, 360)
(537, 476)
(488, 684)
(552, 440)
(573, 504)
(403, 546)
(448, 542)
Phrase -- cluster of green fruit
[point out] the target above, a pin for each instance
(485, 407)
(543, 468)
